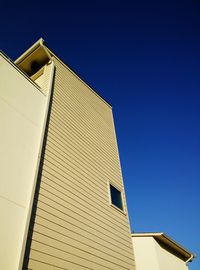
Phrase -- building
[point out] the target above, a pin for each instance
(157, 251)
(62, 199)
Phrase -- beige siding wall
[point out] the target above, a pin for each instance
(75, 226)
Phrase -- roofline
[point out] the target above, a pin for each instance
(189, 256)
(7, 58)
(30, 50)
(75, 74)
(49, 53)
(37, 44)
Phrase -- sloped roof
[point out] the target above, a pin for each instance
(163, 238)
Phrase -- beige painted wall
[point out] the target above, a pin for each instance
(150, 255)
(168, 261)
(145, 253)
(75, 225)
(22, 113)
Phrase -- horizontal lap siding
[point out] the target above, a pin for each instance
(74, 225)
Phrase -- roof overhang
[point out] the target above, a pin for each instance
(163, 238)
(36, 56)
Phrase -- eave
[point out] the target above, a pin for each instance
(163, 238)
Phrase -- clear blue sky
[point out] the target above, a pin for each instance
(144, 58)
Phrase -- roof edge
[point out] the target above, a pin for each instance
(75, 74)
(7, 58)
(38, 43)
(189, 256)
(34, 58)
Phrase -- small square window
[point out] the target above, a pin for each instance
(116, 197)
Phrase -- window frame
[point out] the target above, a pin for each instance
(123, 210)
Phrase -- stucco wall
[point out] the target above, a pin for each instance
(22, 111)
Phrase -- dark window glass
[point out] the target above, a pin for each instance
(116, 197)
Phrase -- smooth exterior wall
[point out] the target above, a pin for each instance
(145, 254)
(74, 226)
(22, 111)
(150, 255)
(167, 260)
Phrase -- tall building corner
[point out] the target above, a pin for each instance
(62, 197)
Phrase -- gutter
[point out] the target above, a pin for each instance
(39, 43)
(170, 243)
(190, 259)
(36, 55)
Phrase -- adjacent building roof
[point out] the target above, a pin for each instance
(170, 243)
